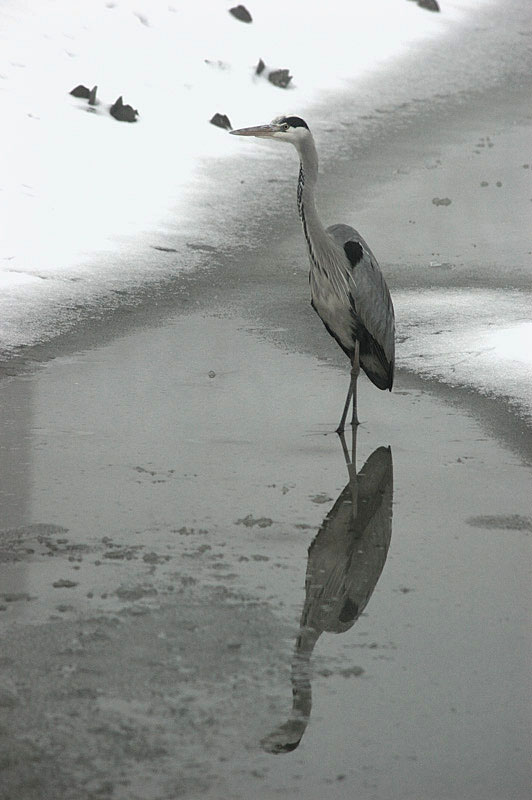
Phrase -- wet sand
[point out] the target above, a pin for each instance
(163, 480)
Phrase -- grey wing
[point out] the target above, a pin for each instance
(372, 307)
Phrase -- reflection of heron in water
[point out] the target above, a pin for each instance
(345, 561)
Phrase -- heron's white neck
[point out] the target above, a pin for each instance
(308, 177)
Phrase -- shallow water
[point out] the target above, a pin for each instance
(162, 485)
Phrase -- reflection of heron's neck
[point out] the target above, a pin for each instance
(301, 674)
(306, 641)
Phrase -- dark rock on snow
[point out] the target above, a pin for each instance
(430, 5)
(280, 77)
(124, 113)
(221, 121)
(81, 91)
(241, 13)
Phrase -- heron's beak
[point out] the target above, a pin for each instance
(262, 131)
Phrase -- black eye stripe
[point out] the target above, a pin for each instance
(294, 122)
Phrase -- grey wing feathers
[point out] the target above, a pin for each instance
(372, 306)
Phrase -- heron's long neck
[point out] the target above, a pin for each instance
(308, 176)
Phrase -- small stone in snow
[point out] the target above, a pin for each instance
(280, 77)
(123, 113)
(221, 121)
(64, 584)
(81, 91)
(441, 201)
(241, 13)
(212, 374)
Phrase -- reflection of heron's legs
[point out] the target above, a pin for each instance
(344, 448)
(354, 450)
(352, 391)
(351, 462)
(350, 458)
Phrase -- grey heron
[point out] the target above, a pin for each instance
(347, 288)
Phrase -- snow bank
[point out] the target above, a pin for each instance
(76, 184)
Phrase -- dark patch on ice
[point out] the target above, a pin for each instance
(135, 592)
(441, 201)
(123, 553)
(321, 498)
(17, 544)
(249, 521)
(511, 522)
(350, 672)
(16, 597)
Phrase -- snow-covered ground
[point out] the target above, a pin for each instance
(82, 194)
(76, 182)
(476, 338)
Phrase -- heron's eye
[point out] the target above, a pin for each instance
(285, 126)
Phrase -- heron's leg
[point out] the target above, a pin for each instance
(352, 391)
(341, 427)
(355, 370)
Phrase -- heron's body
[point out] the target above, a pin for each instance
(347, 288)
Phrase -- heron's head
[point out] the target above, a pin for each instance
(293, 130)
